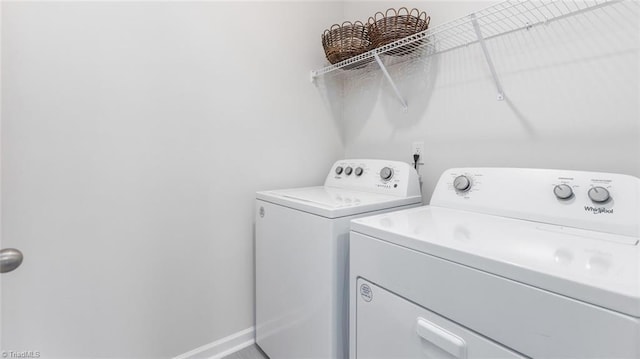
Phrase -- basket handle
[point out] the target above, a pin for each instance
(393, 12)
(405, 10)
(374, 18)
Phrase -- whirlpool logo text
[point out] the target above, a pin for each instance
(596, 210)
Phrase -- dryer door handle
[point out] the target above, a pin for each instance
(442, 338)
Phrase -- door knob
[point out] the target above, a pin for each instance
(10, 259)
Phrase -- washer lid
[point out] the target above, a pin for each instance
(595, 267)
(334, 202)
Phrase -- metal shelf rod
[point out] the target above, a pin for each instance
(492, 68)
(390, 80)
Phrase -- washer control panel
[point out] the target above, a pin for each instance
(604, 202)
(379, 176)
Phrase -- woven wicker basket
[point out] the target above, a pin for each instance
(344, 41)
(394, 25)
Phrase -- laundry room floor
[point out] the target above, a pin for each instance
(252, 352)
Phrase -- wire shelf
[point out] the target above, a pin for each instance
(500, 19)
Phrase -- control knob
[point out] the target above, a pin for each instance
(563, 191)
(462, 183)
(386, 173)
(599, 194)
(339, 170)
(358, 171)
(348, 171)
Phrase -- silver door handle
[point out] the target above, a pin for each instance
(10, 259)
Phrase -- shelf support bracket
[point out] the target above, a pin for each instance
(476, 27)
(393, 85)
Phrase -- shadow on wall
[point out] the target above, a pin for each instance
(357, 87)
(362, 88)
(574, 67)
(331, 91)
(415, 80)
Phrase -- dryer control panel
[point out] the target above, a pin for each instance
(597, 201)
(378, 176)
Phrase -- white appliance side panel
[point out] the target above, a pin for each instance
(531, 321)
(294, 257)
(389, 326)
(340, 278)
(302, 294)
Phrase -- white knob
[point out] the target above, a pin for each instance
(386, 173)
(462, 183)
(348, 171)
(563, 191)
(599, 194)
(339, 170)
(358, 171)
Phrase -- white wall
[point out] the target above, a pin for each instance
(572, 92)
(134, 135)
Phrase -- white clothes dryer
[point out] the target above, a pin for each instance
(504, 263)
(302, 253)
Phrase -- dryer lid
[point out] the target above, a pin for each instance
(595, 267)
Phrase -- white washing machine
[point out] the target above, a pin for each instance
(504, 263)
(302, 252)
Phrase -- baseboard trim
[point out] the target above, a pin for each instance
(222, 347)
